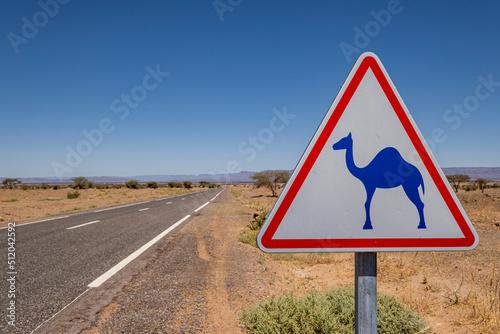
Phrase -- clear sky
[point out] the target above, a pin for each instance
(123, 88)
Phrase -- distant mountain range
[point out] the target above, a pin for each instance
(489, 173)
(216, 178)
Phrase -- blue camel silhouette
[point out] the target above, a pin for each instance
(387, 170)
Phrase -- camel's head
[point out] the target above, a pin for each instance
(344, 143)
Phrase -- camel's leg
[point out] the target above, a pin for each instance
(369, 195)
(412, 193)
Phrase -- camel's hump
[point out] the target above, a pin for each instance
(388, 153)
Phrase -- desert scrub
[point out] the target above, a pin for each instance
(330, 312)
(249, 236)
(235, 193)
(73, 194)
(258, 221)
(12, 200)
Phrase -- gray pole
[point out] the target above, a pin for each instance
(365, 267)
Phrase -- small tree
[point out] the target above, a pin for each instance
(82, 183)
(481, 183)
(10, 183)
(152, 184)
(270, 179)
(132, 184)
(456, 179)
(187, 184)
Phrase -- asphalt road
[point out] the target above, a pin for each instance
(57, 260)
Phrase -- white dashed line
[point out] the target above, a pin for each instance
(36, 222)
(144, 209)
(72, 227)
(121, 206)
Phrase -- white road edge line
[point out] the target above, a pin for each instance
(92, 222)
(36, 222)
(144, 209)
(121, 206)
(201, 207)
(55, 314)
(104, 277)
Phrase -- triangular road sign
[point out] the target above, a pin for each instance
(367, 181)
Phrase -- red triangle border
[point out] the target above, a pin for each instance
(269, 243)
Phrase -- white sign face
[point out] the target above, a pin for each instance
(367, 182)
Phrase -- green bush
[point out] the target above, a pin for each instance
(175, 184)
(132, 184)
(152, 184)
(470, 187)
(187, 184)
(204, 184)
(330, 312)
(257, 221)
(73, 194)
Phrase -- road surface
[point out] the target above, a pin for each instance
(58, 260)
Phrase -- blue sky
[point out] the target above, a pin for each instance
(191, 87)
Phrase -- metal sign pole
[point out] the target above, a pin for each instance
(365, 267)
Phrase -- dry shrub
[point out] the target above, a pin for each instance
(485, 301)
(330, 312)
(73, 194)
